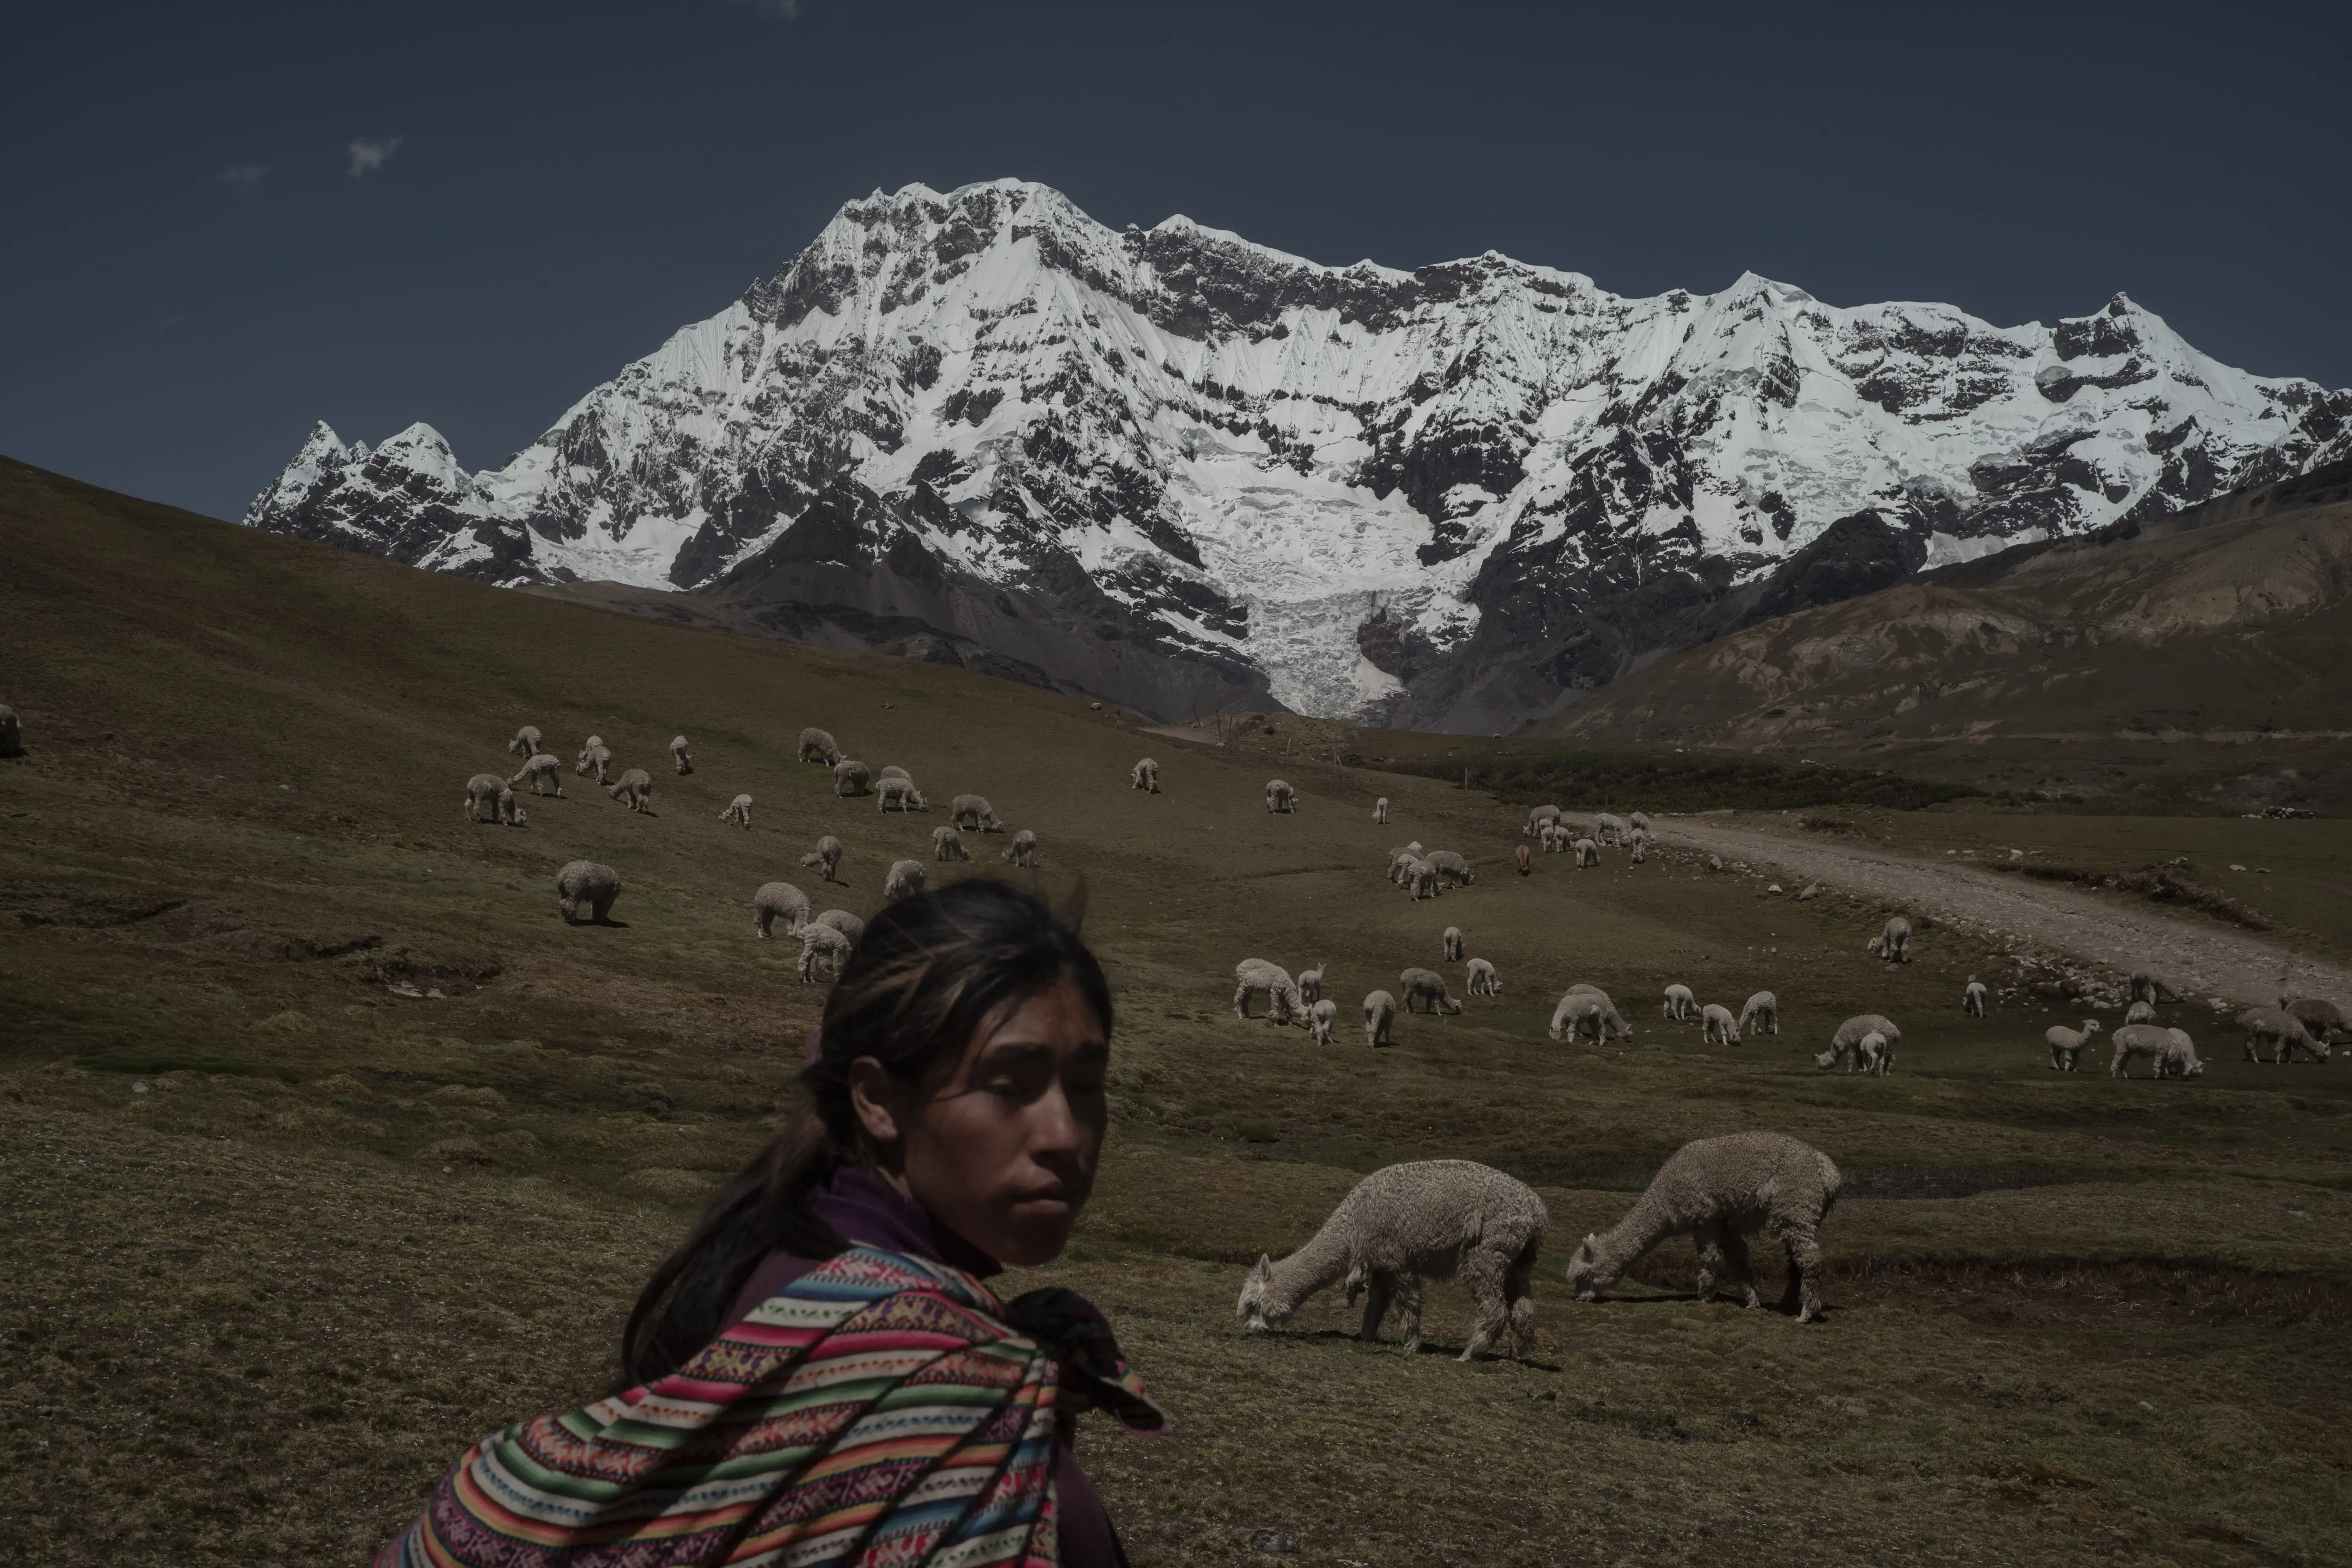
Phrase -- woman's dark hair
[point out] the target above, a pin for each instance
(929, 972)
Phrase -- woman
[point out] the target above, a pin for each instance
(818, 1374)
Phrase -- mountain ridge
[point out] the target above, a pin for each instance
(1459, 497)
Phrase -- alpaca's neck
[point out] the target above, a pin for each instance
(1621, 1247)
(1321, 1262)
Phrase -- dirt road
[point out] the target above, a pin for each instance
(2196, 957)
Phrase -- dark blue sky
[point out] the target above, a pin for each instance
(193, 270)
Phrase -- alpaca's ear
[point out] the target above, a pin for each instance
(1262, 1268)
(1591, 1241)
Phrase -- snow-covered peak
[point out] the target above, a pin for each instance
(1370, 483)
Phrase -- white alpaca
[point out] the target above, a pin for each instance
(1716, 1027)
(1718, 1191)
(2066, 1045)
(947, 844)
(2277, 1027)
(822, 942)
(2179, 1058)
(739, 811)
(1877, 1059)
(1680, 1003)
(1452, 870)
(827, 854)
(678, 755)
(1452, 944)
(1320, 1019)
(901, 792)
(974, 812)
(1972, 1000)
(634, 790)
(488, 793)
(1022, 850)
(1380, 811)
(1483, 981)
(1144, 776)
(1283, 1003)
(1380, 1018)
(1310, 983)
(587, 882)
(1585, 1009)
(816, 747)
(1427, 986)
(1893, 942)
(1761, 1016)
(2139, 1040)
(775, 900)
(1429, 1219)
(905, 878)
(541, 768)
(1847, 1044)
(1280, 796)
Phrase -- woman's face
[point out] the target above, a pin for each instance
(1004, 1152)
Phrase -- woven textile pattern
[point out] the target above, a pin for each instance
(879, 1412)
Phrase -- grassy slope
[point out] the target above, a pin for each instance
(344, 1231)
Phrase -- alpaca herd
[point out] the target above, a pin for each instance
(586, 890)
(1439, 1218)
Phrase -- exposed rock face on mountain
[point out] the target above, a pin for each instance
(2227, 621)
(1457, 498)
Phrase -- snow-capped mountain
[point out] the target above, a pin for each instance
(1453, 497)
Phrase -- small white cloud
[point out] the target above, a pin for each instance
(243, 176)
(367, 156)
(782, 10)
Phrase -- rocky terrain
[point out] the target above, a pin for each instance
(2226, 623)
(1180, 469)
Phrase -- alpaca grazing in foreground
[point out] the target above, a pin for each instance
(1429, 1218)
(1718, 1191)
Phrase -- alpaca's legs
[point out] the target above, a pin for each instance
(1240, 1002)
(1379, 1289)
(1483, 1272)
(1518, 1291)
(1408, 1299)
(1738, 1272)
(1709, 1237)
(1804, 1272)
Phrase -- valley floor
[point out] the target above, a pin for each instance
(327, 1147)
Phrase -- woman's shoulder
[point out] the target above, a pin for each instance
(866, 1285)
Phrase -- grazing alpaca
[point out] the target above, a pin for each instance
(1430, 1218)
(1719, 1192)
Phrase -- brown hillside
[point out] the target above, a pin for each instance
(2228, 635)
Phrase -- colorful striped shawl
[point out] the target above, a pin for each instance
(881, 1411)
